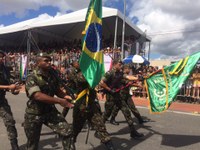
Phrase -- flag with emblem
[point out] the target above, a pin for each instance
(164, 85)
(91, 60)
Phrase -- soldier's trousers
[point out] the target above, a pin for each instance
(128, 100)
(93, 114)
(65, 111)
(54, 120)
(115, 101)
(7, 116)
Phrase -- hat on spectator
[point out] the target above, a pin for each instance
(45, 55)
(2, 52)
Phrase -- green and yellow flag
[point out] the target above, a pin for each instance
(91, 60)
(164, 85)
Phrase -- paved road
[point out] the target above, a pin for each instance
(166, 131)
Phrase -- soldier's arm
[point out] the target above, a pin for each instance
(130, 77)
(6, 87)
(62, 94)
(104, 80)
(39, 96)
(104, 85)
(34, 92)
(9, 87)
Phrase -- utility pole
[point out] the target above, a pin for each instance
(123, 31)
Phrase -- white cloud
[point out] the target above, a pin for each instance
(173, 25)
(20, 7)
(1, 25)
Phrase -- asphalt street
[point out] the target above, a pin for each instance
(166, 131)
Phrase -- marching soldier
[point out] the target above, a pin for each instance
(71, 83)
(125, 96)
(110, 83)
(87, 108)
(5, 110)
(41, 86)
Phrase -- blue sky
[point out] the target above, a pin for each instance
(172, 25)
(50, 10)
(11, 18)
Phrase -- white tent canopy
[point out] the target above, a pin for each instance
(65, 27)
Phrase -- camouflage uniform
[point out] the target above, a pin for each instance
(5, 110)
(71, 83)
(127, 98)
(112, 79)
(39, 113)
(90, 111)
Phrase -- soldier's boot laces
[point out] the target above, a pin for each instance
(114, 122)
(14, 144)
(134, 134)
(109, 145)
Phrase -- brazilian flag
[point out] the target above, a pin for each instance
(164, 85)
(91, 60)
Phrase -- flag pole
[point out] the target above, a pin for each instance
(123, 31)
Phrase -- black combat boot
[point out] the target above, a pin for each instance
(134, 134)
(142, 121)
(113, 121)
(69, 143)
(104, 118)
(14, 144)
(109, 145)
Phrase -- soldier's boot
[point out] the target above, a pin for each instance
(86, 126)
(65, 111)
(104, 118)
(134, 134)
(142, 121)
(113, 121)
(14, 144)
(109, 145)
(69, 144)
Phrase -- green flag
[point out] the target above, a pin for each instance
(91, 60)
(164, 85)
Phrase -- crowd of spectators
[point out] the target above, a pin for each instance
(190, 91)
(63, 54)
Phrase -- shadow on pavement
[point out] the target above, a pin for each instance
(46, 144)
(122, 131)
(120, 144)
(125, 130)
(179, 140)
(174, 140)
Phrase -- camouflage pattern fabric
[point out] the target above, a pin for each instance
(129, 102)
(115, 101)
(126, 97)
(90, 112)
(54, 120)
(7, 116)
(71, 77)
(39, 113)
(5, 110)
(115, 111)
